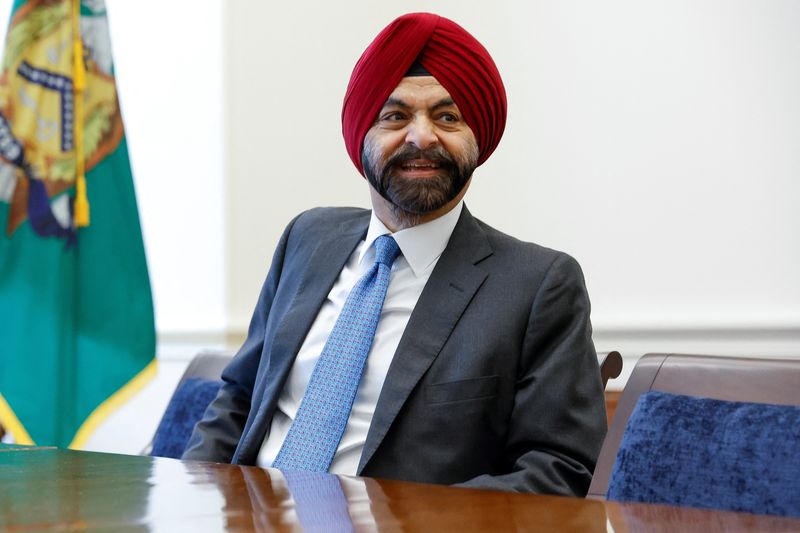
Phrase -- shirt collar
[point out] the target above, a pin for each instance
(420, 245)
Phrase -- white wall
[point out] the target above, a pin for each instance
(168, 57)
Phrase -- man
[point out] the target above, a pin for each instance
(478, 369)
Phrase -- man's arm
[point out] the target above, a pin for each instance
(217, 435)
(558, 421)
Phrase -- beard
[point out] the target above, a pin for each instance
(412, 197)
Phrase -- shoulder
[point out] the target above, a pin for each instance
(333, 214)
(526, 258)
(327, 222)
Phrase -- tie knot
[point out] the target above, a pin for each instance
(386, 250)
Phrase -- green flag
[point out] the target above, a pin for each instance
(77, 336)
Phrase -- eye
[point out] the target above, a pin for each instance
(393, 116)
(449, 118)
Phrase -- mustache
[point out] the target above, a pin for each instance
(436, 154)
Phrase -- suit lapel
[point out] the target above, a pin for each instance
(453, 283)
(323, 268)
(320, 271)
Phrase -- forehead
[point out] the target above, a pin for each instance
(418, 91)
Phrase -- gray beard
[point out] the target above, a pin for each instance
(409, 199)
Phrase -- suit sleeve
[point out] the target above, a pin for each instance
(217, 435)
(558, 421)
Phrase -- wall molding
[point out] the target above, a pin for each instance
(756, 339)
(182, 345)
(762, 340)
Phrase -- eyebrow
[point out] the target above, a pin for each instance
(397, 102)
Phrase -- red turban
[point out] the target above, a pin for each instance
(454, 57)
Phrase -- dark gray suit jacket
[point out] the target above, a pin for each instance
(495, 382)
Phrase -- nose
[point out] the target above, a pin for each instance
(421, 133)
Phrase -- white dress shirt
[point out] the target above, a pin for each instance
(420, 247)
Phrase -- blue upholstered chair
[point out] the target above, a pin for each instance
(185, 409)
(196, 389)
(730, 379)
(700, 452)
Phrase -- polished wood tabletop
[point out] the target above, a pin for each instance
(50, 489)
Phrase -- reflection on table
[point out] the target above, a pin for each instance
(46, 488)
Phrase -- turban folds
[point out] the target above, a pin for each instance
(454, 57)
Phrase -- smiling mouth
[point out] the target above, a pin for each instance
(418, 165)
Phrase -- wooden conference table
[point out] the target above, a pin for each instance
(52, 489)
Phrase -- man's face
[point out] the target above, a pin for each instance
(420, 154)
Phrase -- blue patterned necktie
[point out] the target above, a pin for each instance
(318, 427)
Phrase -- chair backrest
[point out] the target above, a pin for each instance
(610, 366)
(759, 380)
(700, 452)
(196, 389)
